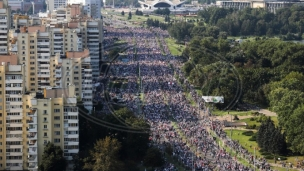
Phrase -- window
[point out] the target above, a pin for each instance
(56, 117)
(45, 126)
(44, 120)
(45, 134)
(56, 140)
(56, 110)
(57, 125)
(57, 132)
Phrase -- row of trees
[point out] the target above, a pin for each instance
(268, 72)
(156, 23)
(256, 21)
(137, 12)
(164, 11)
(271, 139)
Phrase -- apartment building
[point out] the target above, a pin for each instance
(31, 120)
(89, 31)
(57, 122)
(75, 68)
(72, 30)
(36, 45)
(55, 4)
(13, 140)
(5, 22)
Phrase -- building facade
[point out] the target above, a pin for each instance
(270, 5)
(45, 67)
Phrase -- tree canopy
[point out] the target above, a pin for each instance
(105, 156)
(52, 158)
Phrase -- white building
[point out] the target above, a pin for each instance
(156, 4)
(55, 4)
(16, 4)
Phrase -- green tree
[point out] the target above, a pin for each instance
(52, 159)
(153, 158)
(130, 16)
(122, 13)
(104, 156)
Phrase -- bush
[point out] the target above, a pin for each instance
(268, 157)
(251, 126)
(248, 133)
(253, 138)
(236, 117)
(252, 119)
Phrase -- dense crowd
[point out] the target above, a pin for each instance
(150, 71)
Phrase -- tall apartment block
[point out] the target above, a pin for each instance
(30, 120)
(46, 64)
(5, 21)
(57, 122)
(36, 44)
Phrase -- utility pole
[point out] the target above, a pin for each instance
(254, 158)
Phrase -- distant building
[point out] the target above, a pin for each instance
(156, 4)
(16, 4)
(270, 5)
(27, 5)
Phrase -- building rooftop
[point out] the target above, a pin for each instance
(75, 54)
(11, 59)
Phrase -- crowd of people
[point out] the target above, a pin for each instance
(150, 71)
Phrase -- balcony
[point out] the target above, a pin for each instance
(70, 113)
(43, 81)
(44, 75)
(14, 103)
(43, 49)
(32, 136)
(14, 110)
(44, 65)
(32, 150)
(43, 54)
(43, 59)
(32, 158)
(43, 43)
(14, 88)
(32, 143)
(32, 129)
(33, 165)
(8, 81)
(71, 100)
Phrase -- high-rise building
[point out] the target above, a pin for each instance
(13, 138)
(55, 4)
(5, 21)
(36, 45)
(30, 120)
(57, 122)
(46, 65)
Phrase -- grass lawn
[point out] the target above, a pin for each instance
(250, 122)
(175, 49)
(249, 145)
(244, 141)
(233, 112)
